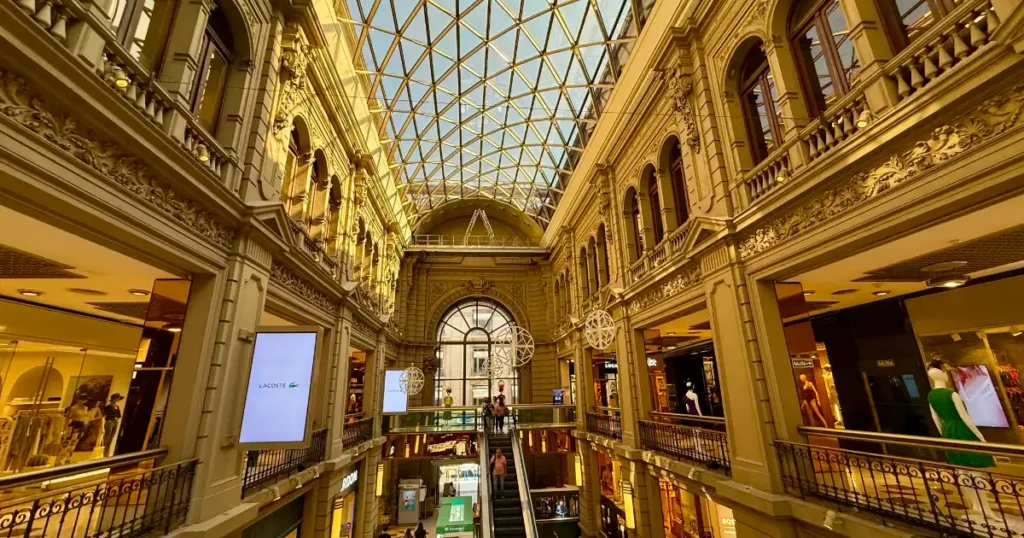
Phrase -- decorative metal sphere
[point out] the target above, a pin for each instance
(599, 329)
(411, 380)
(514, 346)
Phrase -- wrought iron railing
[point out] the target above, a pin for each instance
(694, 444)
(128, 504)
(947, 497)
(359, 431)
(554, 505)
(605, 424)
(263, 467)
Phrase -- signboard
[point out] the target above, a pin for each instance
(885, 363)
(349, 480)
(396, 401)
(277, 397)
(803, 363)
(558, 396)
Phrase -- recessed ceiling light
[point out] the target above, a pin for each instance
(881, 293)
(1017, 333)
(846, 291)
(30, 293)
(138, 293)
(954, 281)
(671, 334)
(174, 328)
(808, 292)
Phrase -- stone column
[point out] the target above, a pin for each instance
(182, 51)
(647, 511)
(205, 404)
(669, 219)
(368, 507)
(647, 220)
(634, 389)
(340, 403)
(745, 391)
(792, 110)
(590, 490)
(873, 49)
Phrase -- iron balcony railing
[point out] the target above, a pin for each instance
(356, 432)
(556, 505)
(694, 444)
(470, 418)
(947, 497)
(605, 424)
(126, 503)
(265, 467)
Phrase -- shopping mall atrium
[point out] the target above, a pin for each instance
(511, 268)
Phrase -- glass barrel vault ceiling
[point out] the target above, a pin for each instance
(490, 98)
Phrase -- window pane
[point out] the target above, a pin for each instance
(814, 58)
(151, 33)
(213, 91)
(915, 15)
(850, 64)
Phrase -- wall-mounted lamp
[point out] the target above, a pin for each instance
(863, 119)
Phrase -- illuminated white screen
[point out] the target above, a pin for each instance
(277, 400)
(395, 399)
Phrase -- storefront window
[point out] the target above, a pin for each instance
(356, 377)
(75, 388)
(606, 381)
(681, 511)
(343, 515)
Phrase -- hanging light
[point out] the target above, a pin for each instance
(599, 329)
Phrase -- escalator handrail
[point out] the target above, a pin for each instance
(530, 520)
(484, 492)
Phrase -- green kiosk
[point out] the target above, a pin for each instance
(456, 518)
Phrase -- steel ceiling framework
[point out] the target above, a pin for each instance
(490, 98)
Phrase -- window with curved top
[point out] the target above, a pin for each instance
(143, 26)
(905, 20)
(211, 77)
(466, 335)
(291, 168)
(825, 53)
(678, 181)
(760, 103)
(655, 197)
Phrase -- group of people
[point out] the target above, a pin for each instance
(420, 532)
(84, 412)
(494, 414)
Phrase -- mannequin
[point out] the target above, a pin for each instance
(810, 402)
(954, 422)
(692, 404)
(448, 401)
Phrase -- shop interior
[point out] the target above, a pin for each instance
(356, 384)
(871, 336)
(606, 380)
(88, 343)
(343, 509)
(682, 367)
(613, 511)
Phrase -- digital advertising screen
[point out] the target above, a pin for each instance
(277, 398)
(396, 401)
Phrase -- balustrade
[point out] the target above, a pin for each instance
(954, 38)
(843, 121)
(264, 467)
(705, 444)
(606, 424)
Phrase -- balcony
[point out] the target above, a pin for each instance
(434, 419)
(357, 431)
(696, 439)
(606, 422)
(264, 467)
(475, 245)
(130, 501)
(947, 498)
(942, 48)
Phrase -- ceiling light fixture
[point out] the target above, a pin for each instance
(138, 292)
(30, 293)
(172, 327)
(671, 333)
(954, 281)
(1016, 331)
(808, 292)
(881, 293)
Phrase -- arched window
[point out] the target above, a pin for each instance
(143, 26)
(316, 196)
(584, 275)
(558, 300)
(466, 336)
(655, 197)
(631, 210)
(290, 185)
(759, 100)
(825, 52)
(672, 164)
(211, 77)
(602, 247)
(904, 20)
(595, 269)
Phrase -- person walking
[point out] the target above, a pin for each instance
(499, 468)
(500, 411)
(488, 413)
(420, 531)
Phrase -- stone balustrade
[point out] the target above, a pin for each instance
(844, 120)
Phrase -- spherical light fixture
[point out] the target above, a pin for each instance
(411, 381)
(599, 329)
(514, 346)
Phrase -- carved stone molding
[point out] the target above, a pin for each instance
(478, 285)
(27, 109)
(301, 287)
(363, 328)
(990, 119)
(682, 281)
(293, 82)
(681, 87)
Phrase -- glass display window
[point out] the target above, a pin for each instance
(681, 511)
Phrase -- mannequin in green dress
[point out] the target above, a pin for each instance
(954, 422)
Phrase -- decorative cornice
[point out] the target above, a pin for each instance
(990, 119)
(29, 110)
(362, 327)
(301, 287)
(682, 281)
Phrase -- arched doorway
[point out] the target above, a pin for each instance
(466, 336)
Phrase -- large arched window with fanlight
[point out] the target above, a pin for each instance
(466, 336)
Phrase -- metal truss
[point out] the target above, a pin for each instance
(490, 98)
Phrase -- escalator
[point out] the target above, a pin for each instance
(511, 516)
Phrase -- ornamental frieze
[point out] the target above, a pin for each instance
(990, 119)
(301, 287)
(29, 110)
(682, 281)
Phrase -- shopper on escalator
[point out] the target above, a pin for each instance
(499, 468)
(500, 411)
